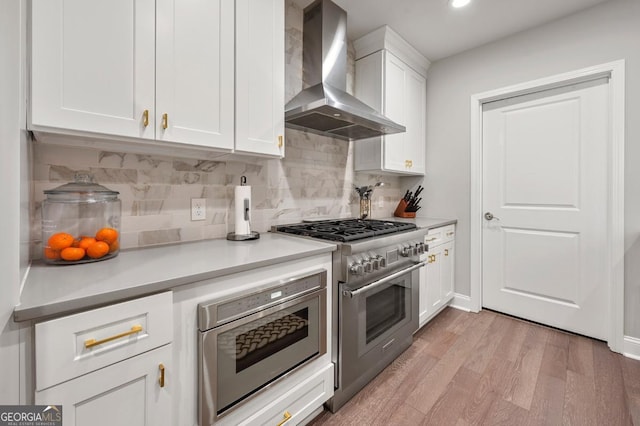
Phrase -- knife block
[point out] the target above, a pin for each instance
(400, 210)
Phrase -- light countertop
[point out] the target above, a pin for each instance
(54, 290)
(424, 222)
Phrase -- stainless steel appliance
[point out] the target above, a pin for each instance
(325, 107)
(250, 341)
(375, 295)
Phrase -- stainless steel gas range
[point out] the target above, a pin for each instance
(375, 295)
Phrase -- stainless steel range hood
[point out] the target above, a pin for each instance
(325, 107)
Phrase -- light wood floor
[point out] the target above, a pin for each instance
(487, 368)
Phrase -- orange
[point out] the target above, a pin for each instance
(114, 246)
(60, 241)
(108, 235)
(97, 249)
(51, 254)
(72, 253)
(85, 242)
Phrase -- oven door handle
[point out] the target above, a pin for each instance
(382, 280)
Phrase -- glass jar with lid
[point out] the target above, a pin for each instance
(80, 222)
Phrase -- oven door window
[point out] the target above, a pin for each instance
(253, 352)
(382, 311)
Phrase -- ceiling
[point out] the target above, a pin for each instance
(438, 30)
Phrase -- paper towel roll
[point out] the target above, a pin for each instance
(243, 210)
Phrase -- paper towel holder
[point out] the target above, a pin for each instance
(253, 235)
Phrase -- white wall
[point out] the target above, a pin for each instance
(604, 33)
(14, 193)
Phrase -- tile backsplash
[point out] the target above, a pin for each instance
(315, 179)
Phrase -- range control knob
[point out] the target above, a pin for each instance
(368, 265)
(376, 262)
(420, 248)
(406, 251)
(356, 268)
(383, 261)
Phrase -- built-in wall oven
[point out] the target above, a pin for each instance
(250, 341)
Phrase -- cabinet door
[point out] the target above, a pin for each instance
(395, 101)
(126, 393)
(260, 77)
(423, 304)
(93, 66)
(415, 136)
(447, 268)
(195, 77)
(434, 277)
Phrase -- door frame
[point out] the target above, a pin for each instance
(615, 170)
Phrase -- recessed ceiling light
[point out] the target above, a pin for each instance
(459, 3)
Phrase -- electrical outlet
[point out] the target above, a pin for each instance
(198, 209)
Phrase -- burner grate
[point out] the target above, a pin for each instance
(347, 229)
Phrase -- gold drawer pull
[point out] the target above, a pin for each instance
(280, 143)
(432, 239)
(287, 417)
(165, 120)
(161, 368)
(93, 342)
(446, 252)
(450, 233)
(145, 118)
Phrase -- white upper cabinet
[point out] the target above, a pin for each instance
(391, 77)
(93, 66)
(195, 73)
(260, 77)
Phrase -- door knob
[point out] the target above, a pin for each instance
(490, 216)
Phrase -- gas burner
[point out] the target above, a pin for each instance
(344, 230)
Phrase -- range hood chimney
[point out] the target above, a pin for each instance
(326, 108)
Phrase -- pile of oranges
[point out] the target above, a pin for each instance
(66, 247)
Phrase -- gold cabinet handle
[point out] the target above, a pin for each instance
(280, 141)
(161, 381)
(145, 118)
(450, 233)
(446, 252)
(93, 342)
(165, 120)
(287, 417)
(432, 239)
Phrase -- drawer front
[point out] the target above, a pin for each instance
(77, 344)
(298, 403)
(437, 236)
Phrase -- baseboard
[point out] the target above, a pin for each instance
(631, 347)
(461, 301)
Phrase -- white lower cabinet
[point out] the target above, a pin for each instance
(298, 403)
(437, 278)
(109, 366)
(132, 392)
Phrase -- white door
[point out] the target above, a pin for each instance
(260, 77)
(93, 66)
(195, 72)
(545, 183)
